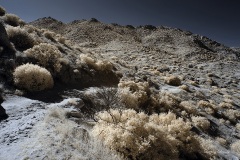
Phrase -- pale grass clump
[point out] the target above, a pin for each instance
(201, 122)
(13, 20)
(173, 80)
(140, 136)
(21, 39)
(32, 77)
(188, 107)
(47, 55)
(133, 94)
(101, 65)
(236, 147)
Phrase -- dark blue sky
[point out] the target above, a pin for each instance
(216, 19)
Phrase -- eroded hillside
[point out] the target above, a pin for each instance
(160, 92)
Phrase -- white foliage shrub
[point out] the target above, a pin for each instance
(32, 77)
(138, 135)
(133, 94)
(48, 56)
(101, 65)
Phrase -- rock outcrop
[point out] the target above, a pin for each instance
(3, 114)
(6, 48)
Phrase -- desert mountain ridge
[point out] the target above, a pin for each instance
(89, 90)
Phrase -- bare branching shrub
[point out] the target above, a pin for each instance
(101, 99)
(32, 77)
(101, 65)
(236, 147)
(140, 136)
(21, 39)
(173, 80)
(47, 56)
(201, 122)
(2, 11)
(132, 94)
(12, 20)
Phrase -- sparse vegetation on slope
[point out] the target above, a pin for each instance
(153, 93)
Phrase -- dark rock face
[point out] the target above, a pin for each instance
(7, 50)
(3, 114)
(7, 56)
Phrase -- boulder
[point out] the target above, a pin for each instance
(3, 114)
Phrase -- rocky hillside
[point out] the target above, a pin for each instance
(173, 40)
(89, 90)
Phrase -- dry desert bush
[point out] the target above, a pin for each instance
(32, 77)
(142, 136)
(201, 122)
(189, 107)
(101, 65)
(21, 39)
(173, 80)
(133, 94)
(61, 138)
(232, 114)
(49, 35)
(169, 101)
(236, 147)
(12, 20)
(47, 55)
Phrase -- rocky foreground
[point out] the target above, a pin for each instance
(153, 87)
